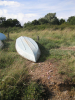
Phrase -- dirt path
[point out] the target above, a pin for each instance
(47, 74)
(68, 48)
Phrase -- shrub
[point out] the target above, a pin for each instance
(33, 92)
(10, 93)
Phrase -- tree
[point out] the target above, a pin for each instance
(55, 21)
(43, 21)
(27, 24)
(61, 21)
(51, 18)
(2, 19)
(71, 20)
(10, 23)
(16, 23)
(35, 22)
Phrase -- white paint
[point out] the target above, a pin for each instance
(27, 48)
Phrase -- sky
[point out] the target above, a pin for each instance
(29, 10)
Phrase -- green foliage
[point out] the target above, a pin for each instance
(33, 92)
(64, 26)
(45, 45)
(51, 18)
(35, 22)
(71, 20)
(48, 26)
(36, 27)
(18, 88)
(57, 54)
(27, 24)
(15, 83)
(9, 22)
(11, 30)
(43, 21)
(9, 45)
(61, 21)
(2, 19)
(49, 44)
(5, 61)
(9, 92)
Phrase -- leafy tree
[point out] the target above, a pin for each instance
(2, 19)
(16, 23)
(55, 21)
(9, 22)
(61, 21)
(43, 21)
(27, 24)
(35, 22)
(71, 20)
(51, 17)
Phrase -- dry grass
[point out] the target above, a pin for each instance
(48, 37)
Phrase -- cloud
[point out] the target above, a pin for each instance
(26, 17)
(21, 17)
(9, 3)
(2, 12)
(28, 10)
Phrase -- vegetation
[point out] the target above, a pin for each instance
(49, 19)
(71, 20)
(9, 22)
(15, 81)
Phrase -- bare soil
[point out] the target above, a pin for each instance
(47, 73)
(58, 86)
(68, 48)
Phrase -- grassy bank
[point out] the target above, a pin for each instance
(15, 81)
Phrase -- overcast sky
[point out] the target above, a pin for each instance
(28, 10)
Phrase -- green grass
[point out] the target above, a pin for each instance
(9, 45)
(6, 61)
(15, 81)
(67, 64)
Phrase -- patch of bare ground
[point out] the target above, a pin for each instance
(46, 73)
(68, 48)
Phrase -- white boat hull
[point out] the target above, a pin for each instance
(27, 48)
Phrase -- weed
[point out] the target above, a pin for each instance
(6, 61)
(33, 91)
(19, 85)
(61, 72)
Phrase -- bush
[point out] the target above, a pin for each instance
(9, 90)
(11, 29)
(10, 93)
(33, 92)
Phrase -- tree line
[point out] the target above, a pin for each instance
(50, 18)
(9, 22)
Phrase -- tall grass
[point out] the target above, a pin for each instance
(15, 81)
(67, 67)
